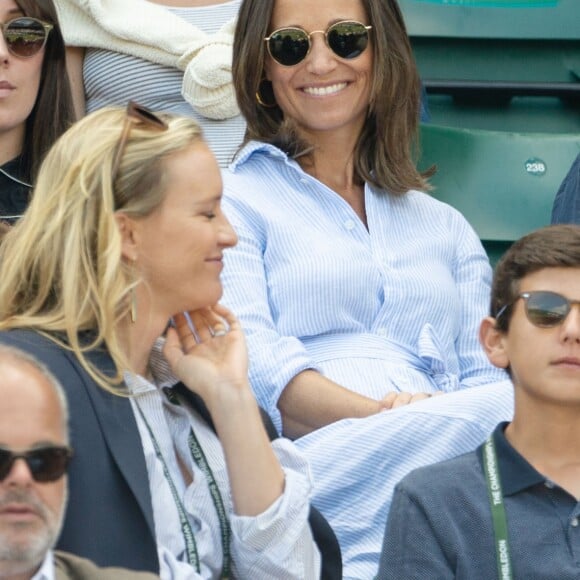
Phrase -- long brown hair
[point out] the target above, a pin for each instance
(384, 155)
(53, 111)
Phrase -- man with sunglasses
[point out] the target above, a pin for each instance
(511, 508)
(34, 455)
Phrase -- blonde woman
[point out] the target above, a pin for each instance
(124, 233)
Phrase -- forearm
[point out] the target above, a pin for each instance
(255, 475)
(311, 401)
(278, 543)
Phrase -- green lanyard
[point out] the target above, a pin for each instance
(226, 532)
(500, 530)
(201, 461)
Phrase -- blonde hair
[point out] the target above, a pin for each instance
(62, 269)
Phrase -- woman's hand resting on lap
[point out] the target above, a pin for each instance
(396, 399)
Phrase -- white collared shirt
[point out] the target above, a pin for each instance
(275, 544)
(46, 571)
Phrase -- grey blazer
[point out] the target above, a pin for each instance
(109, 518)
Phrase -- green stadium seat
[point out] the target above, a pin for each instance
(503, 182)
(499, 64)
(503, 84)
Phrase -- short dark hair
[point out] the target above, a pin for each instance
(53, 111)
(555, 246)
(384, 155)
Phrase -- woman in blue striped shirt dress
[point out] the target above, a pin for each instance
(359, 294)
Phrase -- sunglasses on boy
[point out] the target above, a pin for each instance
(290, 46)
(45, 463)
(543, 308)
(25, 36)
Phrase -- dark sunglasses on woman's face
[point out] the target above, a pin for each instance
(25, 36)
(45, 463)
(290, 46)
(544, 308)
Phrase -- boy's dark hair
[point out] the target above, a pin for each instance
(555, 246)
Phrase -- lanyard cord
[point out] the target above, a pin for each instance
(188, 535)
(226, 532)
(500, 530)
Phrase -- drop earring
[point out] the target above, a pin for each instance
(265, 95)
(133, 294)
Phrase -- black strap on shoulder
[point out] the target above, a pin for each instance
(322, 533)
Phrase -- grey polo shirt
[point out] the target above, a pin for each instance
(440, 522)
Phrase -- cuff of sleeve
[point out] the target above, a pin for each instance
(283, 522)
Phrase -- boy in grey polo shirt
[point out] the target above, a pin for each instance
(511, 508)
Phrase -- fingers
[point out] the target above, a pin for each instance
(419, 397)
(184, 331)
(395, 399)
(401, 400)
(204, 325)
(226, 314)
(387, 402)
(172, 349)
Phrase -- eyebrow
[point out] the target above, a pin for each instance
(214, 199)
(35, 445)
(330, 23)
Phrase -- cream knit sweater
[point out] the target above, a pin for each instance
(152, 32)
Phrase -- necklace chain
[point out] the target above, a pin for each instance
(15, 179)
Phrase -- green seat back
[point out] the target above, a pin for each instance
(504, 183)
(532, 46)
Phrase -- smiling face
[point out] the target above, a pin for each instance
(19, 83)
(30, 512)
(178, 248)
(323, 93)
(544, 362)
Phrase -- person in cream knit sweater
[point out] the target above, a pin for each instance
(169, 55)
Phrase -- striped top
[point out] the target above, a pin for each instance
(393, 308)
(112, 78)
(258, 549)
(313, 287)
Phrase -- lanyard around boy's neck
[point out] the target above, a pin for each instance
(500, 530)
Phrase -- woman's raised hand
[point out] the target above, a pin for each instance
(210, 353)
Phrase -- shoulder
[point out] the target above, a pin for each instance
(421, 217)
(566, 207)
(261, 187)
(70, 566)
(62, 362)
(424, 205)
(445, 481)
(32, 342)
(255, 171)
